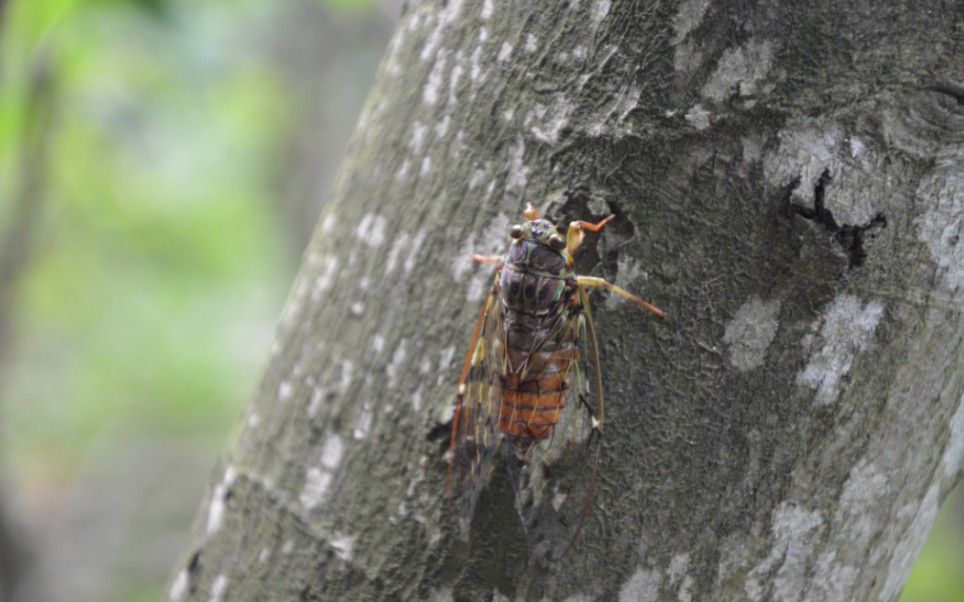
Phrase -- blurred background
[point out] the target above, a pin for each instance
(162, 163)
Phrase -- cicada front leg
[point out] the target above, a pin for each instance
(600, 283)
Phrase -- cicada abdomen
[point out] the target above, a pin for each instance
(531, 380)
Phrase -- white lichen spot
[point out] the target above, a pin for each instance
(324, 280)
(394, 67)
(698, 117)
(285, 391)
(372, 229)
(688, 18)
(425, 366)
(600, 10)
(414, 22)
(342, 544)
(332, 451)
(217, 588)
(315, 489)
(378, 343)
(579, 52)
(690, 15)
(476, 178)
(433, 86)
(179, 587)
(856, 529)
(807, 149)
(941, 227)
(483, 35)
(518, 176)
(508, 115)
(445, 363)
(253, 420)
(347, 371)
(475, 66)
(679, 564)
(418, 137)
(487, 9)
(477, 287)
(218, 504)
(750, 332)
(412, 258)
(447, 16)
(426, 167)
(393, 369)
(357, 308)
(264, 555)
(364, 423)
(837, 579)
(844, 330)
(740, 69)
(856, 147)
(794, 532)
(531, 43)
(643, 586)
(953, 458)
(401, 241)
(315, 402)
(442, 127)
(866, 484)
(555, 119)
(417, 399)
(909, 546)
(403, 170)
(628, 100)
(287, 547)
(685, 590)
(505, 51)
(327, 224)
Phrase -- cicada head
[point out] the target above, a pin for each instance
(537, 244)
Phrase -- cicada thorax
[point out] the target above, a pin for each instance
(531, 359)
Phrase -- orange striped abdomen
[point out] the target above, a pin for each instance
(531, 402)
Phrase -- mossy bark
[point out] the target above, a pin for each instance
(787, 183)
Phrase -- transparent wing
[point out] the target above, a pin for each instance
(474, 425)
(553, 480)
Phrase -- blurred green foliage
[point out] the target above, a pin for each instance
(938, 575)
(159, 260)
(159, 265)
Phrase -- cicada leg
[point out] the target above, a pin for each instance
(575, 234)
(600, 283)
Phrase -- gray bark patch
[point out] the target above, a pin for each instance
(845, 329)
(750, 332)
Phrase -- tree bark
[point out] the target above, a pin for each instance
(787, 183)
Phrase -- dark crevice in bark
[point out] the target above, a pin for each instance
(853, 240)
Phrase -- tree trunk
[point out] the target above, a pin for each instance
(787, 183)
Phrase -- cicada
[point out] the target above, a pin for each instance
(531, 384)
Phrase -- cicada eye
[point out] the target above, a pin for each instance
(557, 242)
(516, 232)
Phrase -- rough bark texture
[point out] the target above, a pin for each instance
(787, 180)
